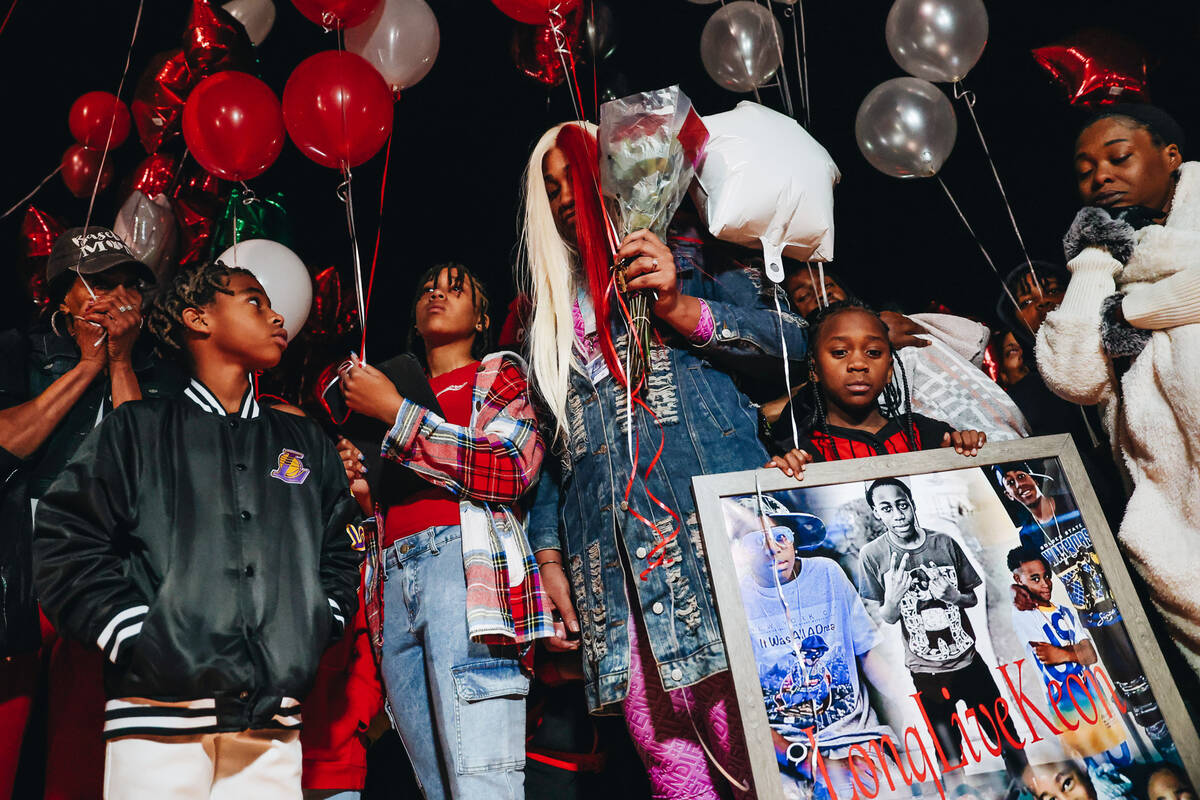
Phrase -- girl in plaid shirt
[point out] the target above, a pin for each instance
(462, 595)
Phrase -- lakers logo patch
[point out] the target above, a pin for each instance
(358, 536)
(291, 467)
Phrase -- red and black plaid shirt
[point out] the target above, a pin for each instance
(891, 438)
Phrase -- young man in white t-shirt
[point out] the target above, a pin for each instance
(813, 642)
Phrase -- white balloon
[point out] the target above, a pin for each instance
(765, 180)
(282, 274)
(937, 40)
(740, 45)
(400, 39)
(256, 16)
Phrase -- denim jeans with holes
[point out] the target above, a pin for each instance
(458, 706)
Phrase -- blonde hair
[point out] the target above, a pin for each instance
(547, 274)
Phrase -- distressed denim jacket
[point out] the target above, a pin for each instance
(708, 426)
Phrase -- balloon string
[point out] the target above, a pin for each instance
(982, 249)
(87, 220)
(29, 196)
(802, 56)
(784, 88)
(787, 369)
(595, 60)
(563, 48)
(387, 157)
(11, 8)
(346, 195)
(968, 98)
(234, 230)
(178, 173)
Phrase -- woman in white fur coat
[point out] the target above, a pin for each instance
(1126, 338)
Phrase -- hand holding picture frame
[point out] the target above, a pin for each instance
(927, 624)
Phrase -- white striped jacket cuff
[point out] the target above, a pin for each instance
(123, 626)
(144, 717)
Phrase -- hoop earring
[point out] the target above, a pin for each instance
(54, 322)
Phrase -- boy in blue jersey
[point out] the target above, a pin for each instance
(1053, 525)
(1060, 648)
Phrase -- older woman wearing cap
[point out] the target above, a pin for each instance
(57, 380)
(1126, 338)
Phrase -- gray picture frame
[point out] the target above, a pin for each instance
(710, 490)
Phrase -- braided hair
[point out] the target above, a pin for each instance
(193, 288)
(459, 276)
(896, 398)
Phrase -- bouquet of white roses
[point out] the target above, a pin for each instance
(650, 144)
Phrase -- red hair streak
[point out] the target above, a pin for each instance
(579, 148)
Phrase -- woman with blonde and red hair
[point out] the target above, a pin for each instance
(625, 522)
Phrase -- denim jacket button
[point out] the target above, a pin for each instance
(726, 333)
(641, 552)
(677, 674)
(624, 505)
(658, 608)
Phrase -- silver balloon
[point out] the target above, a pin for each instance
(740, 45)
(599, 32)
(938, 40)
(401, 39)
(147, 226)
(256, 16)
(906, 127)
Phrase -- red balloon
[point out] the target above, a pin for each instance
(198, 204)
(154, 175)
(38, 232)
(535, 12)
(1096, 68)
(214, 41)
(335, 14)
(80, 166)
(196, 218)
(233, 126)
(158, 98)
(534, 50)
(195, 182)
(94, 115)
(337, 109)
(334, 313)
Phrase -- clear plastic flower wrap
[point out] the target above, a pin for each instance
(650, 144)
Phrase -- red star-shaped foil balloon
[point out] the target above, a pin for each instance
(1096, 67)
(333, 312)
(214, 41)
(157, 106)
(38, 232)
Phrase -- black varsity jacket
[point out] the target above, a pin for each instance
(206, 554)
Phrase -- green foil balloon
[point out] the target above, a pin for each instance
(249, 216)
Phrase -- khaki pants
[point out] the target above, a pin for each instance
(264, 765)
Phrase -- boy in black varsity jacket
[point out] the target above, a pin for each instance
(200, 543)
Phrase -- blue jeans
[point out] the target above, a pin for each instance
(459, 709)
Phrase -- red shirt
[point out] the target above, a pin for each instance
(891, 438)
(435, 505)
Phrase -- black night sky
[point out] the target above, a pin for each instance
(462, 135)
